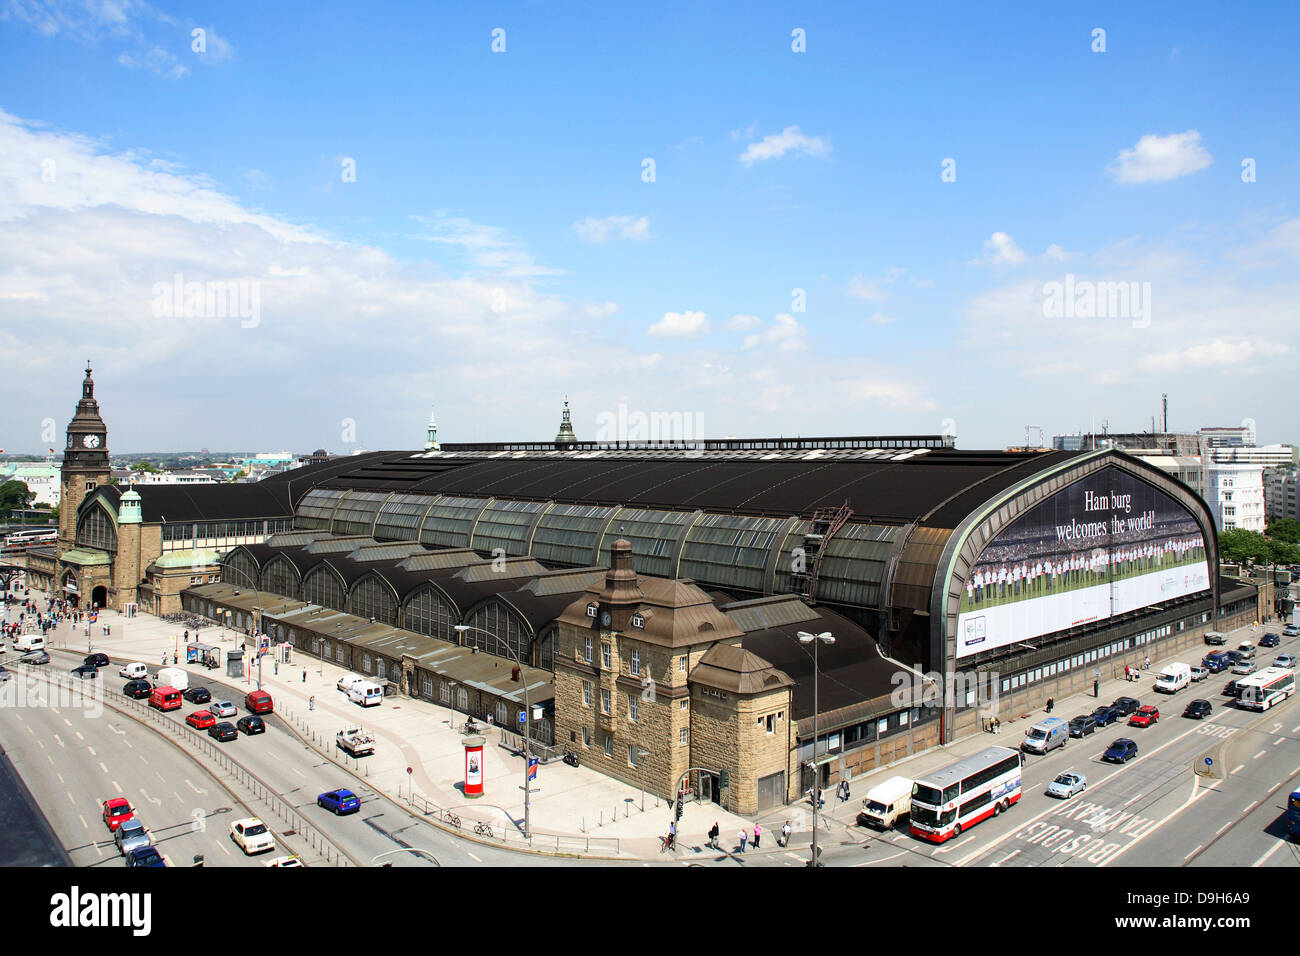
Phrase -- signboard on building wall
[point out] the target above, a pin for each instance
(1105, 545)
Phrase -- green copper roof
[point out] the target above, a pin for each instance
(187, 559)
(84, 557)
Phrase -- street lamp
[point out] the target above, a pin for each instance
(528, 716)
(816, 640)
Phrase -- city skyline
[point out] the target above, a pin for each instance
(830, 238)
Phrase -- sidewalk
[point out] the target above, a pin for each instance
(578, 805)
(843, 815)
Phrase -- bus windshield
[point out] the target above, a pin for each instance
(926, 794)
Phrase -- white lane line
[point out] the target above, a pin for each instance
(1276, 846)
(102, 767)
(1007, 857)
(793, 856)
(83, 822)
(65, 720)
(1240, 766)
(60, 776)
(116, 787)
(160, 778)
(883, 859)
(1258, 755)
(59, 740)
(50, 759)
(952, 846)
(192, 787)
(1249, 808)
(1192, 797)
(222, 844)
(78, 733)
(1193, 853)
(40, 744)
(473, 857)
(298, 772)
(92, 751)
(1131, 799)
(1224, 827)
(1295, 730)
(1278, 741)
(71, 799)
(128, 743)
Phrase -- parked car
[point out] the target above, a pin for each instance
(1083, 725)
(197, 695)
(85, 671)
(259, 702)
(1284, 660)
(339, 802)
(201, 719)
(1242, 668)
(1246, 650)
(1270, 640)
(116, 812)
(1067, 785)
(35, 657)
(1105, 715)
(1216, 637)
(145, 856)
(96, 660)
(1126, 705)
(223, 731)
(1198, 709)
(1291, 630)
(1199, 673)
(1121, 750)
(252, 724)
(224, 708)
(1144, 716)
(134, 671)
(137, 689)
(252, 836)
(131, 835)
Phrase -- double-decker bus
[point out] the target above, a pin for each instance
(1270, 686)
(21, 539)
(1293, 815)
(962, 794)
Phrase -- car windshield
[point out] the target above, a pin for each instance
(924, 794)
(255, 829)
(1036, 734)
(119, 811)
(1065, 779)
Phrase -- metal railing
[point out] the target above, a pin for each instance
(297, 825)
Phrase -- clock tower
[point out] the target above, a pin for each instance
(85, 462)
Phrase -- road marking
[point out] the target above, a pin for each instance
(473, 857)
(1224, 827)
(192, 787)
(78, 733)
(83, 822)
(1251, 807)
(1195, 795)
(299, 772)
(1131, 799)
(952, 846)
(116, 787)
(1193, 853)
(1276, 846)
(868, 862)
(1258, 755)
(71, 799)
(1295, 730)
(102, 767)
(793, 856)
(222, 844)
(41, 745)
(1240, 766)
(1278, 741)
(60, 776)
(59, 740)
(65, 720)
(91, 749)
(1007, 857)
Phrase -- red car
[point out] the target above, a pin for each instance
(1144, 716)
(259, 702)
(201, 719)
(116, 812)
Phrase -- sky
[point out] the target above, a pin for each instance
(292, 226)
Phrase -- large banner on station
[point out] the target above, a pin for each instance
(1105, 545)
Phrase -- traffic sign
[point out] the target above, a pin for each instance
(523, 716)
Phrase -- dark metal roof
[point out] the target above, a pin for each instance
(946, 482)
(231, 502)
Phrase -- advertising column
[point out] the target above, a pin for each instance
(474, 766)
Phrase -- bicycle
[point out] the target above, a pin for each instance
(453, 819)
(484, 829)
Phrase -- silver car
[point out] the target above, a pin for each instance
(131, 835)
(223, 708)
(1284, 660)
(1067, 785)
(1243, 667)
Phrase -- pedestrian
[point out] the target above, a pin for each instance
(187, 637)
(672, 833)
(304, 675)
(847, 793)
(277, 667)
(1128, 674)
(175, 657)
(744, 838)
(311, 703)
(713, 835)
(821, 799)
(164, 659)
(1051, 701)
(1146, 664)
(1096, 688)
(997, 725)
(784, 838)
(758, 835)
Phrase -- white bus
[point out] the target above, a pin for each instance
(948, 801)
(20, 539)
(1270, 686)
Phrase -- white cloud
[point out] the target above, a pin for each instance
(788, 140)
(745, 133)
(218, 49)
(257, 179)
(613, 227)
(1056, 252)
(680, 325)
(785, 334)
(157, 61)
(1158, 159)
(742, 323)
(881, 319)
(1216, 354)
(1000, 249)
(491, 248)
(875, 290)
(601, 310)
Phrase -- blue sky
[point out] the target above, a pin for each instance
(500, 248)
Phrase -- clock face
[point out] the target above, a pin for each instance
(91, 441)
(604, 619)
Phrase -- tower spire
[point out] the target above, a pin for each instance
(565, 437)
(431, 434)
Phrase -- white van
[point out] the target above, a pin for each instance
(1046, 735)
(366, 693)
(173, 677)
(347, 680)
(30, 642)
(134, 671)
(1173, 678)
(885, 803)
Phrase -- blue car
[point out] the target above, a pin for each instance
(1215, 661)
(339, 801)
(1105, 716)
(1120, 751)
(145, 856)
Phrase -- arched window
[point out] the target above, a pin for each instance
(279, 576)
(426, 612)
(323, 586)
(371, 596)
(95, 530)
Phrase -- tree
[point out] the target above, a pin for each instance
(1284, 552)
(14, 494)
(1284, 529)
(1239, 546)
(146, 467)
